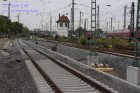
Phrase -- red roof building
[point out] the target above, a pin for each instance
(63, 18)
(63, 25)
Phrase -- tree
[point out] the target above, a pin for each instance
(8, 28)
(99, 33)
(79, 32)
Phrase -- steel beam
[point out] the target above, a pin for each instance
(93, 24)
(137, 42)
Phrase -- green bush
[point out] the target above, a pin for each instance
(120, 43)
(49, 36)
(83, 41)
(131, 46)
(56, 37)
(116, 43)
(72, 40)
(62, 38)
(104, 42)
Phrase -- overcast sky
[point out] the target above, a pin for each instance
(34, 13)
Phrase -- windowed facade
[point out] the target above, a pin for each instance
(61, 24)
(66, 25)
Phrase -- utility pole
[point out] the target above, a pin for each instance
(85, 24)
(9, 6)
(17, 18)
(107, 26)
(125, 17)
(118, 26)
(111, 24)
(46, 26)
(98, 17)
(41, 27)
(70, 33)
(93, 24)
(137, 42)
(72, 19)
(113, 28)
(132, 22)
(55, 24)
(93, 16)
(80, 19)
(50, 23)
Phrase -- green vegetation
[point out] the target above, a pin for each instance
(116, 43)
(83, 41)
(12, 29)
(79, 32)
(49, 36)
(61, 38)
(101, 42)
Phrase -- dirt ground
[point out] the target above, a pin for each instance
(3, 41)
(14, 76)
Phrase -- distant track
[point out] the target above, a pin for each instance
(122, 53)
(62, 78)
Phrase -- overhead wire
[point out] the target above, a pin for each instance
(79, 4)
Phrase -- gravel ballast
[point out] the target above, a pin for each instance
(14, 76)
(118, 84)
(118, 63)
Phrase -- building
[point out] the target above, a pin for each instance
(63, 26)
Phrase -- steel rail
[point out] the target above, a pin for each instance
(102, 89)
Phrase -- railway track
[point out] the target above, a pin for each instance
(126, 53)
(59, 78)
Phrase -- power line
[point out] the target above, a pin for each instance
(60, 8)
(111, 2)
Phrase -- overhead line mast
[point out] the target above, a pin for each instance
(137, 33)
(132, 22)
(125, 17)
(93, 23)
(98, 17)
(72, 19)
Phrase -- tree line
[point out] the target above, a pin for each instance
(11, 29)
